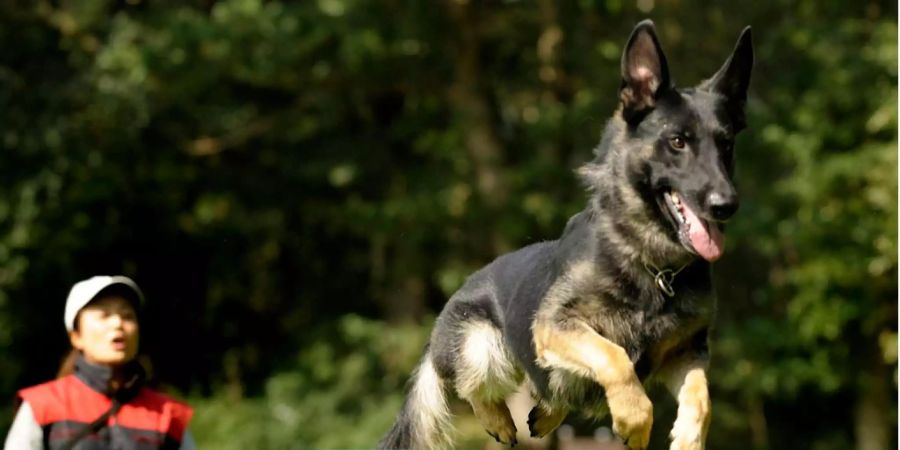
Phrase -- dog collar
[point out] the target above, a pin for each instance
(664, 277)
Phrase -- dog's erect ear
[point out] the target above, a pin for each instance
(733, 79)
(645, 73)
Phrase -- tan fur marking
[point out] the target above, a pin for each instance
(583, 351)
(687, 381)
(496, 420)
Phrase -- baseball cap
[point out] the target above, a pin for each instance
(86, 290)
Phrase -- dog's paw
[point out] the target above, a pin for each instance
(632, 414)
(504, 437)
(687, 443)
(689, 431)
(687, 436)
(500, 426)
(542, 422)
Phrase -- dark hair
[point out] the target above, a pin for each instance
(67, 367)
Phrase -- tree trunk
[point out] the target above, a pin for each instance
(759, 429)
(468, 98)
(871, 410)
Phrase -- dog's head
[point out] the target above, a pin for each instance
(679, 142)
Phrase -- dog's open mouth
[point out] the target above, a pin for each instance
(697, 235)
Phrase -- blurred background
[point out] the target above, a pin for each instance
(299, 187)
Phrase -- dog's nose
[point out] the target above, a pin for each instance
(722, 205)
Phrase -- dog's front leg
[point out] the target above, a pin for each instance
(686, 379)
(580, 349)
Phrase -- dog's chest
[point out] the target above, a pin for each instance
(669, 338)
(651, 325)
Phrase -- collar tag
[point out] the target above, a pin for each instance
(664, 278)
(664, 282)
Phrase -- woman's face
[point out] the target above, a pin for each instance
(106, 331)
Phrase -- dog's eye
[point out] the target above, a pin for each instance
(677, 142)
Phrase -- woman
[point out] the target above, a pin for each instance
(100, 400)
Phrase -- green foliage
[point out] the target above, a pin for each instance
(826, 224)
(337, 393)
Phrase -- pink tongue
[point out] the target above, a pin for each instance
(706, 240)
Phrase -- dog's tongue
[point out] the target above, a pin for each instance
(706, 239)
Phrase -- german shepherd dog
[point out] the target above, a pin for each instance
(624, 297)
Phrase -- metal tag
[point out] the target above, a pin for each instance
(664, 282)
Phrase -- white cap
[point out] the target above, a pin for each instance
(86, 290)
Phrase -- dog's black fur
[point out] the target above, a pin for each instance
(585, 319)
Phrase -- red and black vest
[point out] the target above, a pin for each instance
(145, 419)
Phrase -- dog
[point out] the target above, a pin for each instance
(624, 297)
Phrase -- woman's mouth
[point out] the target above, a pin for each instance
(118, 343)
